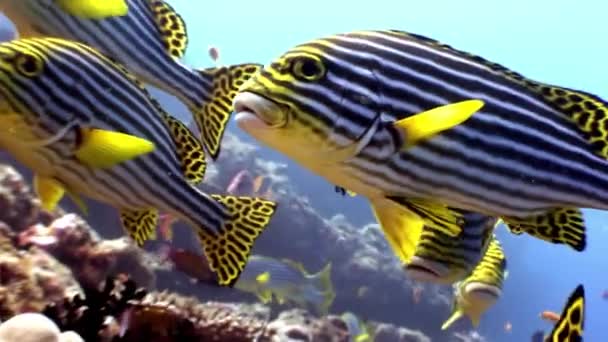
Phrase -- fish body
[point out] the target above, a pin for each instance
(149, 37)
(87, 127)
(481, 289)
(440, 259)
(287, 281)
(533, 154)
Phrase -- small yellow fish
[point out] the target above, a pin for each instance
(287, 281)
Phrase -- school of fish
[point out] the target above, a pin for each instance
(444, 144)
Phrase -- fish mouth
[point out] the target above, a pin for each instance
(255, 110)
(425, 270)
(482, 292)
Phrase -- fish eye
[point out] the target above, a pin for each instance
(28, 64)
(308, 69)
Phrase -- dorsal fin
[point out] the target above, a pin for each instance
(587, 111)
(171, 26)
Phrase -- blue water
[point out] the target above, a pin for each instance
(556, 41)
(559, 42)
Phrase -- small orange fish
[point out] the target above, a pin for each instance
(165, 226)
(194, 265)
(550, 316)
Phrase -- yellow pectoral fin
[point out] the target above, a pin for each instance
(432, 122)
(104, 149)
(263, 278)
(401, 227)
(49, 190)
(94, 9)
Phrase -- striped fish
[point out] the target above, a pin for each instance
(287, 281)
(149, 38)
(571, 324)
(533, 154)
(86, 126)
(438, 258)
(481, 289)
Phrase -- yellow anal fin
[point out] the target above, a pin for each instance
(559, 226)
(435, 215)
(189, 149)
(171, 26)
(213, 117)
(572, 321)
(265, 296)
(228, 250)
(400, 225)
(94, 9)
(104, 149)
(427, 124)
(49, 190)
(140, 224)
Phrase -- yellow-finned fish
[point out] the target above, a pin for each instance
(287, 281)
(441, 259)
(357, 329)
(347, 107)
(86, 126)
(147, 36)
(480, 290)
(571, 324)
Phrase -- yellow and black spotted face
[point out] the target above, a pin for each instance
(312, 97)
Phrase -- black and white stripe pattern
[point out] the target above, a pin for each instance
(80, 85)
(134, 40)
(518, 156)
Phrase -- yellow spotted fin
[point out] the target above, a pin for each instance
(189, 149)
(51, 191)
(140, 225)
(427, 124)
(94, 9)
(572, 321)
(263, 278)
(214, 114)
(230, 248)
(559, 226)
(171, 26)
(104, 149)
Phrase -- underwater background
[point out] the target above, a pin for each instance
(559, 42)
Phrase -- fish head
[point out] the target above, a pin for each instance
(315, 102)
(478, 297)
(38, 79)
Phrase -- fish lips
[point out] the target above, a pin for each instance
(257, 111)
(425, 270)
(482, 292)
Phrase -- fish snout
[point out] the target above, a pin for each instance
(255, 111)
(425, 270)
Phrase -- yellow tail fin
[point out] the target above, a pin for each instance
(572, 321)
(323, 282)
(213, 117)
(229, 249)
